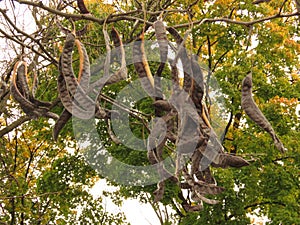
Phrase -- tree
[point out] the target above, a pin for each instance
(229, 37)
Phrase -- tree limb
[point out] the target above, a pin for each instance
(14, 125)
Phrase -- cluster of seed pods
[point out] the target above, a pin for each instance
(189, 130)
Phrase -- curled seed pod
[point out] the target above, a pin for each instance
(161, 37)
(84, 67)
(141, 65)
(155, 147)
(116, 37)
(60, 123)
(196, 188)
(67, 72)
(82, 7)
(26, 105)
(254, 113)
(67, 99)
(31, 109)
(185, 59)
(83, 78)
(21, 79)
(122, 72)
(159, 192)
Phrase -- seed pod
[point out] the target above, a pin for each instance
(116, 52)
(30, 108)
(122, 72)
(254, 113)
(161, 37)
(26, 105)
(185, 59)
(66, 98)
(198, 189)
(84, 67)
(142, 67)
(83, 78)
(159, 192)
(60, 123)
(72, 84)
(21, 79)
(82, 7)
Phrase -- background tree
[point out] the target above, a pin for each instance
(43, 182)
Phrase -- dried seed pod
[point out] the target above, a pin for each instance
(60, 123)
(30, 108)
(159, 192)
(82, 7)
(254, 113)
(116, 38)
(21, 79)
(122, 72)
(155, 147)
(73, 87)
(84, 67)
(67, 99)
(197, 189)
(161, 37)
(185, 59)
(83, 78)
(226, 160)
(141, 65)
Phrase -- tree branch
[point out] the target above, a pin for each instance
(13, 125)
(264, 203)
(115, 17)
(28, 36)
(238, 22)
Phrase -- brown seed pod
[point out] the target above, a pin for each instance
(161, 37)
(141, 65)
(82, 7)
(83, 78)
(60, 123)
(73, 86)
(119, 75)
(199, 190)
(32, 109)
(67, 99)
(254, 113)
(185, 59)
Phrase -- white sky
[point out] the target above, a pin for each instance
(136, 213)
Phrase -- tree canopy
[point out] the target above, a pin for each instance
(210, 158)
